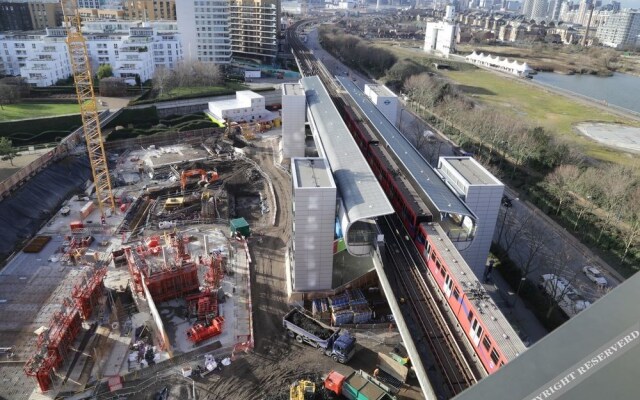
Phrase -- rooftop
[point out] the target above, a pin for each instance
(312, 173)
(432, 185)
(472, 171)
(362, 195)
(292, 89)
(381, 90)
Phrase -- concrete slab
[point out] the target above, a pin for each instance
(622, 137)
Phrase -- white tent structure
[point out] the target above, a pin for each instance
(500, 64)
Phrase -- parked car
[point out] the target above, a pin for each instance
(595, 275)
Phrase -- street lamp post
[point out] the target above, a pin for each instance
(506, 206)
(400, 123)
(515, 299)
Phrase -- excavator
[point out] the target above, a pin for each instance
(206, 177)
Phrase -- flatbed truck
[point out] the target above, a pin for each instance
(332, 342)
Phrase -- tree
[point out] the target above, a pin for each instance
(535, 247)
(561, 183)
(632, 212)
(560, 266)
(6, 149)
(104, 71)
(615, 186)
(162, 80)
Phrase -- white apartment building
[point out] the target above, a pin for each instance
(439, 37)
(621, 30)
(204, 29)
(539, 10)
(42, 60)
(132, 48)
(254, 29)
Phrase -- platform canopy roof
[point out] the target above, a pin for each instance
(433, 186)
(359, 189)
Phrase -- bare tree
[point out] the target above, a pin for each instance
(616, 183)
(162, 80)
(415, 134)
(561, 183)
(561, 289)
(513, 226)
(533, 252)
(588, 185)
(8, 94)
(632, 211)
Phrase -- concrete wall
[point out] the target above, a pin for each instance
(293, 118)
(314, 216)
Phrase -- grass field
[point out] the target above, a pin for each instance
(556, 113)
(14, 112)
(181, 92)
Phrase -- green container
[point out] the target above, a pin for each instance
(240, 226)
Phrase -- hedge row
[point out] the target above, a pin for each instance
(41, 130)
(148, 116)
(144, 130)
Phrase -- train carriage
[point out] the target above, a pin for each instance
(492, 337)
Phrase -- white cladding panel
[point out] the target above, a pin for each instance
(293, 119)
(314, 222)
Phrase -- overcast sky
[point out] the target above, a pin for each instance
(628, 3)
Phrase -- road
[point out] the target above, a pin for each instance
(564, 246)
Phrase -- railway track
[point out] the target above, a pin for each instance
(450, 360)
(453, 370)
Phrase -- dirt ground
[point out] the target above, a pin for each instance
(276, 361)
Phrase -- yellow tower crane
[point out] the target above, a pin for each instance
(81, 69)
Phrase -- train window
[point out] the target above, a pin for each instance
(494, 356)
(456, 294)
(486, 342)
(442, 271)
(501, 363)
(470, 315)
(428, 248)
(433, 256)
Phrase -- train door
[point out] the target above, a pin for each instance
(475, 332)
(448, 284)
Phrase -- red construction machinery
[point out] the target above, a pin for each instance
(203, 331)
(206, 177)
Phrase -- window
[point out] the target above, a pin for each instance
(486, 342)
(433, 255)
(470, 315)
(442, 272)
(495, 357)
(456, 293)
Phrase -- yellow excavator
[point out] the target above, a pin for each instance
(302, 390)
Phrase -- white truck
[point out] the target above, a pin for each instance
(567, 297)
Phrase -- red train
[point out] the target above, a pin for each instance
(407, 203)
(490, 334)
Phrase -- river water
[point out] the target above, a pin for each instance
(621, 90)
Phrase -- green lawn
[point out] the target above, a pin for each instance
(201, 91)
(14, 112)
(556, 113)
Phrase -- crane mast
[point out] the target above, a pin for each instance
(81, 70)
